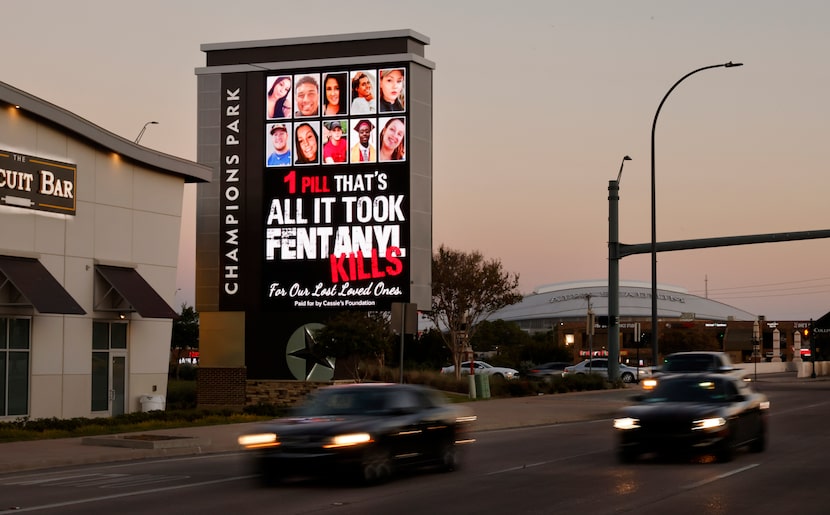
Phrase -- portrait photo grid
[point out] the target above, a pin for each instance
(335, 117)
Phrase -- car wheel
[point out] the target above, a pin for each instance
(726, 452)
(627, 377)
(449, 456)
(760, 442)
(547, 379)
(626, 454)
(269, 474)
(376, 465)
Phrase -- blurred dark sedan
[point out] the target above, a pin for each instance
(547, 371)
(363, 431)
(694, 413)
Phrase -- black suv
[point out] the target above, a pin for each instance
(697, 361)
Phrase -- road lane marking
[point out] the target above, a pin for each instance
(719, 477)
(541, 463)
(130, 494)
(97, 480)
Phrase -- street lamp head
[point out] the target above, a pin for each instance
(730, 64)
(619, 175)
(140, 134)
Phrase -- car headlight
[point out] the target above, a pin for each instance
(708, 423)
(348, 440)
(258, 440)
(649, 384)
(626, 423)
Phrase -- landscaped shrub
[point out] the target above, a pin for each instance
(181, 395)
(25, 428)
(266, 410)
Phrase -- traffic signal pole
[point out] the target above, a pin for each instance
(617, 251)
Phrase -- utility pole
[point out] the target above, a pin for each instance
(589, 323)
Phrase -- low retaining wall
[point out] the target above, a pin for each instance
(279, 393)
(803, 368)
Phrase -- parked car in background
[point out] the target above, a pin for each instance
(547, 371)
(600, 366)
(693, 413)
(364, 431)
(482, 367)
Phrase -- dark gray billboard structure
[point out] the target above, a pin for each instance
(321, 199)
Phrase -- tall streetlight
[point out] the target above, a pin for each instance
(614, 275)
(140, 134)
(654, 330)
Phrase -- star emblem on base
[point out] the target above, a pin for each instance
(304, 360)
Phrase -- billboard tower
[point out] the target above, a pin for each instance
(321, 198)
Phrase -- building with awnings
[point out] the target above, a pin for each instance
(89, 239)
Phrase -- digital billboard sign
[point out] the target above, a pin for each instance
(321, 199)
(335, 189)
(315, 194)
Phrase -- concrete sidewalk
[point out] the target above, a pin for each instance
(492, 414)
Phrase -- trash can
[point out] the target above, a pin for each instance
(482, 386)
(152, 402)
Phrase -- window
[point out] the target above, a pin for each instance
(15, 348)
(107, 338)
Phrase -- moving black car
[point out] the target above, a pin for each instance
(362, 431)
(694, 413)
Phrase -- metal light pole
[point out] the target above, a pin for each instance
(140, 134)
(614, 275)
(756, 338)
(654, 330)
(812, 350)
(589, 323)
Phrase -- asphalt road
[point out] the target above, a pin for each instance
(563, 468)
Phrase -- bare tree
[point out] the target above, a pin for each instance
(466, 288)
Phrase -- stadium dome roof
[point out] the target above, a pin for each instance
(570, 301)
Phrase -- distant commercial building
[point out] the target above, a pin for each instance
(564, 307)
(89, 239)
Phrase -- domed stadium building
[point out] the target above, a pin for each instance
(563, 308)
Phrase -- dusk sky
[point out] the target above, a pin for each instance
(535, 104)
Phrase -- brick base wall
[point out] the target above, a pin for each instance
(279, 393)
(230, 388)
(221, 387)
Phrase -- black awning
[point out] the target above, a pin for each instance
(32, 281)
(134, 292)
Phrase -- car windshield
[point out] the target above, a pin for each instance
(689, 364)
(691, 390)
(345, 402)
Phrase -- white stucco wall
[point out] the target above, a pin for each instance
(126, 215)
